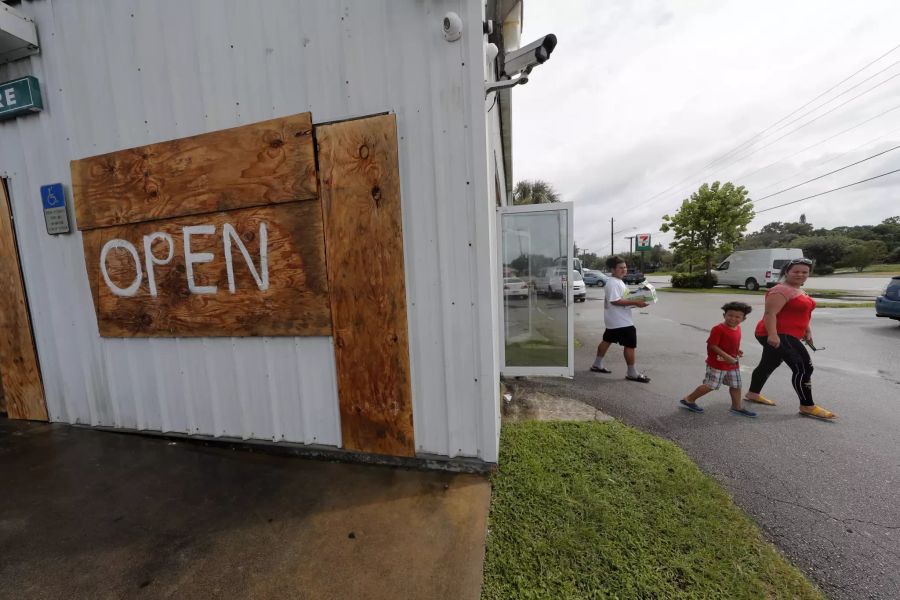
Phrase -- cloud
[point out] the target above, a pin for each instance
(639, 98)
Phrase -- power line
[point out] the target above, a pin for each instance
(778, 122)
(832, 159)
(795, 111)
(827, 174)
(828, 191)
(813, 120)
(820, 142)
(849, 89)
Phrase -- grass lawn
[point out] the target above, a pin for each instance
(889, 268)
(601, 510)
(760, 292)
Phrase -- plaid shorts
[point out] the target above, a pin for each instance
(716, 377)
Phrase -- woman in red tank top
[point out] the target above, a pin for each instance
(782, 331)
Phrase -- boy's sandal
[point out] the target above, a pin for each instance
(600, 370)
(641, 378)
(760, 400)
(743, 412)
(691, 406)
(817, 412)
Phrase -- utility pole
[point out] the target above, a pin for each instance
(630, 239)
(612, 245)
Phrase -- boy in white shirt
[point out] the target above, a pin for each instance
(619, 322)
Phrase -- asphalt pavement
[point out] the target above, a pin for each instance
(825, 493)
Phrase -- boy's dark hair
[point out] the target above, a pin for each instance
(613, 261)
(738, 306)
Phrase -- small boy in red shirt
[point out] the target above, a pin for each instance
(723, 348)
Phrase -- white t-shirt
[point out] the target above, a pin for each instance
(616, 316)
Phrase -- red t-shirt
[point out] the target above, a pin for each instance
(794, 317)
(728, 340)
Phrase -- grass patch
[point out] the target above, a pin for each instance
(846, 305)
(601, 510)
(760, 292)
(891, 268)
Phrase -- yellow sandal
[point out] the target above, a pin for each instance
(760, 400)
(817, 412)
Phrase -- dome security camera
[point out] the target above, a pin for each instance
(452, 27)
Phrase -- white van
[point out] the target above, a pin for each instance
(753, 268)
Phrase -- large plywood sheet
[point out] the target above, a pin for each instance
(264, 163)
(360, 191)
(19, 369)
(294, 300)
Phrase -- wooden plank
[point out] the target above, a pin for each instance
(18, 359)
(294, 303)
(254, 165)
(360, 190)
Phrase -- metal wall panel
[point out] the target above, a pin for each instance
(124, 73)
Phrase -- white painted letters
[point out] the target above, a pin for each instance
(199, 257)
(10, 96)
(132, 289)
(228, 233)
(151, 259)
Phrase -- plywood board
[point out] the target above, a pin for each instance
(264, 163)
(294, 300)
(18, 359)
(360, 191)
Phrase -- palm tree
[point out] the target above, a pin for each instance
(534, 192)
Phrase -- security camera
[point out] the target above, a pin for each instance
(526, 58)
(520, 62)
(452, 26)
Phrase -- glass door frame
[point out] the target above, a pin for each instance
(549, 371)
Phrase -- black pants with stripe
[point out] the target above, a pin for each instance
(792, 352)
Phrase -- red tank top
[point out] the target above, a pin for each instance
(794, 317)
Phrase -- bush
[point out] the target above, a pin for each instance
(694, 280)
(822, 269)
(684, 267)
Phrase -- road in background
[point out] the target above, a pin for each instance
(825, 493)
(870, 286)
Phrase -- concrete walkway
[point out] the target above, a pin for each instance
(91, 514)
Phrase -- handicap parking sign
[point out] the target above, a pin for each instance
(56, 217)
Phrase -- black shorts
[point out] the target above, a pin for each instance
(624, 336)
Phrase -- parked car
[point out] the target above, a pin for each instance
(594, 278)
(634, 277)
(888, 303)
(513, 287)
(753, 268)
(555, 282)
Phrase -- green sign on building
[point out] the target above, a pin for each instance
(20, 96)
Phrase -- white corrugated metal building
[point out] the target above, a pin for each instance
(117, 74)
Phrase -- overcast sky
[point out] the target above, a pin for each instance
(639, 97)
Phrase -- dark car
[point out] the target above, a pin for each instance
(888, 303)
(634, 277)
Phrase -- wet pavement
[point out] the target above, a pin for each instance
(93, 514)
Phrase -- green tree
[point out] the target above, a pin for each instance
(777, 235)
(827, 251)
(534, 192)
(861, 255)
(710, 222)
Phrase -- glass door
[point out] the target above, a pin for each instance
(535, 272)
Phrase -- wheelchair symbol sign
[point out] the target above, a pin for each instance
(56, 217)
(53, 196)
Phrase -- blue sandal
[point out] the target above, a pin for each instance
(743, 412)
(691, 406)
